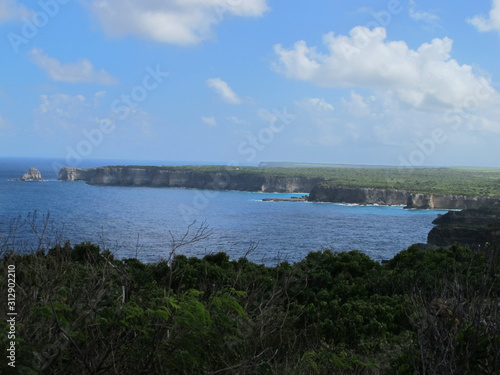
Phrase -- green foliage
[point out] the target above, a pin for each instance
(83, 312)
(86, 252)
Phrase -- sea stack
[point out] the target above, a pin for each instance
(32, 175)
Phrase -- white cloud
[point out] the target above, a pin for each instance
(210, 121)
(63, 112)
(181, 22)
(423, 78)
(238, 121)
(11, 10)
(222, 88)
(358, 106)
(492, 22)
(267, 116)
(69, 114)
(81, 71)
(316, 124)
(427, 17)
(384, 121)
(381, 122)
(316, 104)
(141, 123)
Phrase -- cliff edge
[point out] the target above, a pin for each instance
(325, 192)
(231, 178)
(279, 180)
(471, 227)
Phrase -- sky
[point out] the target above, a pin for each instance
(237, 82)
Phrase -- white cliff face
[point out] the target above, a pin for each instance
(32, 175)
(72, 174)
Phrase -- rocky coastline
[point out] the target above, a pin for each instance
(236, 179)
(475, 228)
(396, 197)
(171, 177)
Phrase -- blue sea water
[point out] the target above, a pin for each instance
(142, 222)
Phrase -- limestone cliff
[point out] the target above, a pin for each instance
(410, 199)
(357, 195)
(73, 174)
(234, 178)
(229, 179)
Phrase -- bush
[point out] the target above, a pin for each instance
(81, 311)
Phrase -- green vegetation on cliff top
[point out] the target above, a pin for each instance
(460, 181)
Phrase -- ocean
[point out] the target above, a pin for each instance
(148, 223)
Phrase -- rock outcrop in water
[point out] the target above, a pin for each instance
(32, 175)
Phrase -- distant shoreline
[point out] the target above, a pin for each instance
(433, 188)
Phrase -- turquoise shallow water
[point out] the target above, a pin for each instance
(140, 221)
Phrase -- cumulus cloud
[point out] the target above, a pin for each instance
(423, 78)
(11, 10)
(490, 23)
(210, 121)
(81, 71)
(222, 88)
(385, 121)
(357, 105)
(181, 22)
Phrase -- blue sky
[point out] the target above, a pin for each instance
(413, 83)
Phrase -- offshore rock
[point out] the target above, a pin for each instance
(32, 175)
(303, 198)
